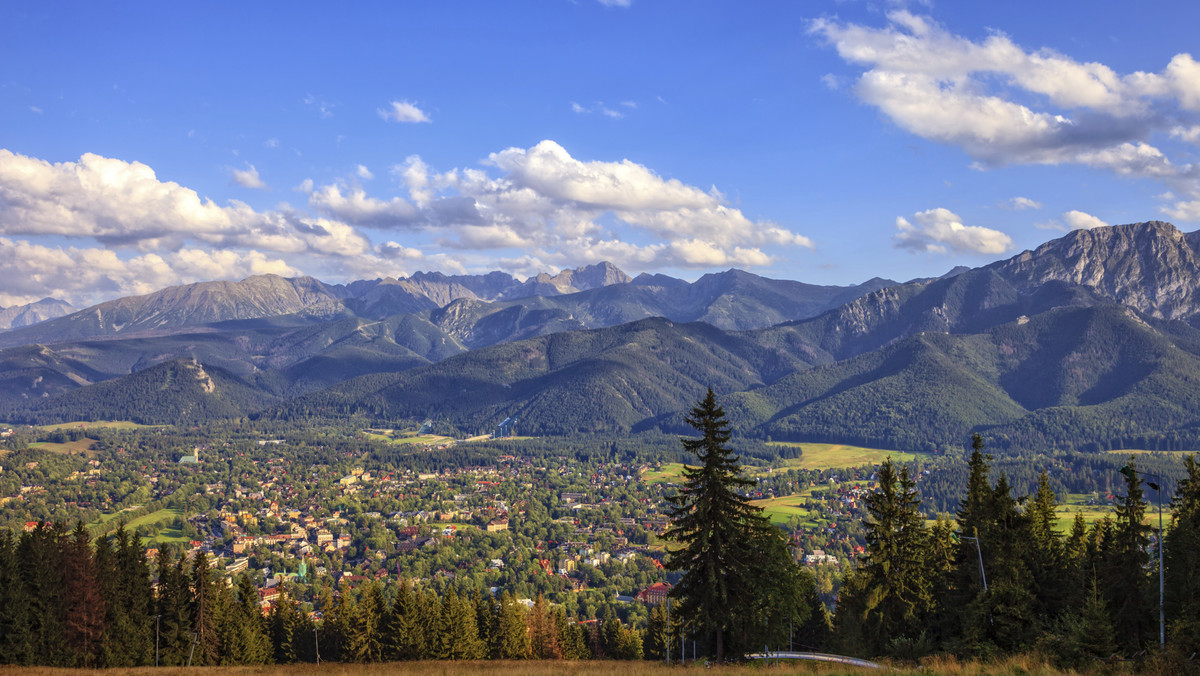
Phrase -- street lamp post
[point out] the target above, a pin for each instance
(1132, 473)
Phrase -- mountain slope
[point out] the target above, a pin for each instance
(29, 314)
(175, 392)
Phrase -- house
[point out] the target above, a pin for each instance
(654, 594)
(496, 525)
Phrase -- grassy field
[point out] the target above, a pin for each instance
(1028, 666)
(105, 424)
(671, 472)
(408, 438)
(833, 456)
(156, 520)
(67, 448)
(781, 510)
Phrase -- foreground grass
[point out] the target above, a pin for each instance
(1026, 665)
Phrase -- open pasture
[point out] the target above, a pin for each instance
(66, 448)
(835, 456)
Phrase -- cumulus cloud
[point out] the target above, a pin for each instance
(248, 177)
(403, 111)
(941, 230)
(1073, 220)
(1005, 104)
(1080, 220)
(134, 232)
(364, 173)
(84, 276)
(568, 211)
(124, 204)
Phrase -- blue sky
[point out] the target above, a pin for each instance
(150, 144)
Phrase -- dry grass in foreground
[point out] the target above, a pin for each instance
(1026, 665)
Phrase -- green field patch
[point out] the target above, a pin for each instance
(781, 510)
(102, 424)
(834, 456)
(671, 472)
(405, 438)
(66, 448)
(157, 521)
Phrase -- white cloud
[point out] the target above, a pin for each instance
(35, 109)
(123, 204)
(403, 111)
(941, 230)
(271, 143)
(1023, 203)
(1004, 104)
(364, 173)
(1079, 220)
(616, 3)
(248, 177)
(354, 207)
(85, 276)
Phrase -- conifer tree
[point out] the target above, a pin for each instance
(401, 627)
(85, 612)
(1125, 560)
(365, 630)
(1181, 565)
(511, 636)
(15, 636)
(39, 563)
(174, 624)
(246, 639)
(888, 597)
(735, 564)
(460, 628)
(203, 609)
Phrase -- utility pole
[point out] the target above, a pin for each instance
(317, 644)
(156, 619)
(668, 628)
(1131, 473)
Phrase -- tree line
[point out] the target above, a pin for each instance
(68, 602)
(1001, 578)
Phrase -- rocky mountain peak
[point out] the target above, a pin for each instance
(1150, 266)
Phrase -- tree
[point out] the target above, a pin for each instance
(1181, 567)
(738, 578)
(888, 599)
(1125, 561)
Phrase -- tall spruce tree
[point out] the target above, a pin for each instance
(888, 601)
(738, 578)
(1124, 561)
(1181, 567)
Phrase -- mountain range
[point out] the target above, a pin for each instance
(1089, 342)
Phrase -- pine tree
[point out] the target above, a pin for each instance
(735, 564)
(1124, 564)
(365, 631)
(39, 563)
(246, 637)
(511, 637)
(203, 608)
(459, 629)
(402, 640)
(1050, 583)
(1181, 565)
(174, 625)
(15, 637)
(85, 618)
(889, 595)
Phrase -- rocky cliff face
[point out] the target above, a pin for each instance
(1152, 267)
(18, 316)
